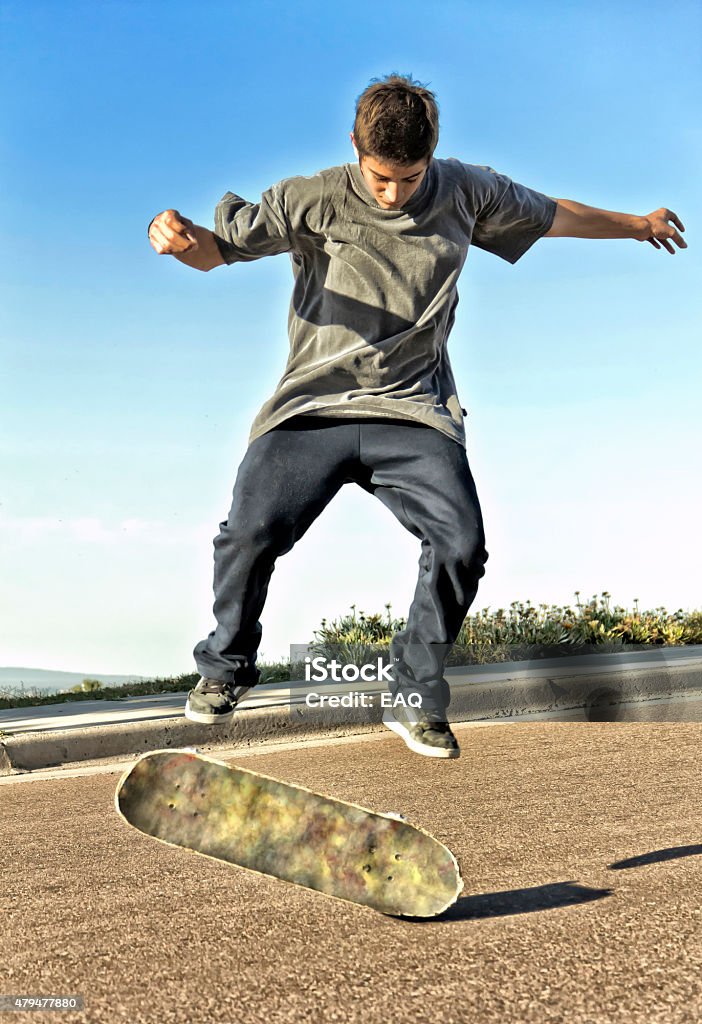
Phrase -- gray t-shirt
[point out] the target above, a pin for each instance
(374, 295)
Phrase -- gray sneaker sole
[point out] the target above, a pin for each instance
(208, 717)
(419, 748)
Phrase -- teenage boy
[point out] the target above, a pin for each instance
(368, 395)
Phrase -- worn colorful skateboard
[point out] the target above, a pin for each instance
(377, 860)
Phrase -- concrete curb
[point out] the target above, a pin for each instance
(30, 751)
(600, 691)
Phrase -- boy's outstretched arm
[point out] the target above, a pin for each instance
(174, 235)
(575, 220)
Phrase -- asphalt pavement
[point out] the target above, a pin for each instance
(579, 843)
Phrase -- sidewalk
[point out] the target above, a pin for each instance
(600, 686)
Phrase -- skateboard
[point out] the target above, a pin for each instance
(185, 799)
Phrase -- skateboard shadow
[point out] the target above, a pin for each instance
(657, 856)
(517, 901)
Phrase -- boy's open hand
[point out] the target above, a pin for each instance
(661, 231)
(171, 234)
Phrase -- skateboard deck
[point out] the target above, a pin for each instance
(185, 799)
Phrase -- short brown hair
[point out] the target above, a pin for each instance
(397, 120)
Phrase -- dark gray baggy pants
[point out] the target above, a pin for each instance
(289, 475)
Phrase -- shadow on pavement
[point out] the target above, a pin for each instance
(656, 856)
(601, 706)
(517, 901)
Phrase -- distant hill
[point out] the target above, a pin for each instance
(47, 679)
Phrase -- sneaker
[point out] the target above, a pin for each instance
(428, 734)
(213, 701)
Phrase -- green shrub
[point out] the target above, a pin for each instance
(87, 686)
(522, 632)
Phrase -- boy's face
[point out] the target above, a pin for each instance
(391, 185)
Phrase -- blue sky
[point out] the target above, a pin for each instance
(128, 381)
